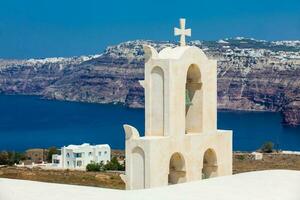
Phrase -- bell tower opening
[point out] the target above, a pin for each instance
(177, 173)
(157, 102)
(138, 159)
(210, 166)
(193, 100)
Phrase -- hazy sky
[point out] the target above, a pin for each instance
(44, 28)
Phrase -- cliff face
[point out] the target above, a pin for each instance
(252, 75)
(264, 86)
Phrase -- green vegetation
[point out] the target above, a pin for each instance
(52, 150)
(95, 167)
(11, 157)
(267, 147)
(241, 157)
(100, 167)
(114, 165)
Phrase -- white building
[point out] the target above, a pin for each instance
(79, 156)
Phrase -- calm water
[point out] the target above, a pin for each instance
(27, 122)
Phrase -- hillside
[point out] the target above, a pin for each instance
(252, 75)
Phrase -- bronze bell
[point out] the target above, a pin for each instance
(187, 98)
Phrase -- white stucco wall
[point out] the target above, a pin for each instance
(173, 127)
(260, 185)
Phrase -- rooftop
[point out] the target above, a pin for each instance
(259, 185)
(72, 146)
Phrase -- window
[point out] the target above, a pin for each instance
(105, 152)
(100, 153)
(68, 163)
(90, 153)
(56, 161)
(79, 163)
(68, 155)
(77, 155)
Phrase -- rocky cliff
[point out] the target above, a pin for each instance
(252, 75)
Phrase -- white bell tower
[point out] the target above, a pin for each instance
(181, 141)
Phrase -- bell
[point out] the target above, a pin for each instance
(187, 98)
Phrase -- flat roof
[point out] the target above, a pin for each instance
(259, 185)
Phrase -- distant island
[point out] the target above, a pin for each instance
(253, 75)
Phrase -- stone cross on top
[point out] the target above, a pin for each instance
(182, 32)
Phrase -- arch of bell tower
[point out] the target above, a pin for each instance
(157, 103)
(194, 100)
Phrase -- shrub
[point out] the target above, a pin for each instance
(267, 147)
(95, 167)
(241, 157)
(51, 151)
(11, 157)
(4, 158)
(100, 167)
(16, 157)
(114, 165)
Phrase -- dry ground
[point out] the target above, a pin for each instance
(98, 179)
(269, 161)
(241, 163)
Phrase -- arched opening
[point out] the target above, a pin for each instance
(177, 172)
(194, 100)
(210, 165)
(157, 102)
(138, 168)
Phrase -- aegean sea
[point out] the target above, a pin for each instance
(32, 122)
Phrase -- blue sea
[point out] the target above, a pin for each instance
(31, 122)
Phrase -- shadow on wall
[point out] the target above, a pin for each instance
(210, 165)
(177, 171)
